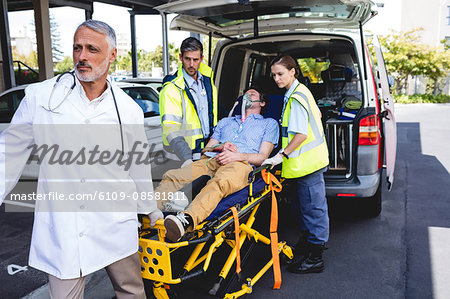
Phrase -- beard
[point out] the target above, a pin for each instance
(94, 74)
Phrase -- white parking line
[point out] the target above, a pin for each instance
(439, 242)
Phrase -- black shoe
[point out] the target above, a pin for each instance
(300, 249)
(313, 263)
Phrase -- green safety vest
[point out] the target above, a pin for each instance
(178, 111)
(312, 154)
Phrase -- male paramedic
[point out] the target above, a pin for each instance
(86, 132)
(188, 105)
(237, 143)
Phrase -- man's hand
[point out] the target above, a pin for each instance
(226, 157)
(155, 215)
(227, 146)
(275, 160)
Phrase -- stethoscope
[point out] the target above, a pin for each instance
(202, 93)
(53, 110)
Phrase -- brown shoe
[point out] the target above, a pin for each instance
(176, 226)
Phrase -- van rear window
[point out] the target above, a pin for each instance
(270, 11)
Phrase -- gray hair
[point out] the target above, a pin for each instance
(191, 44)
(103, 28)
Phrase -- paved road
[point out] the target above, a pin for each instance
(403, 253)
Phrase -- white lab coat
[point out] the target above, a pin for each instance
(72, 238)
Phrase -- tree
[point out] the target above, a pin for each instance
(405, 56)
(65, 65)
(123, 62)
(57, 53)
(30, 60)
(55, 36)
(206, 47)
(157, 56)
(146, 60)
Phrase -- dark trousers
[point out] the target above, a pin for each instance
(309, 205)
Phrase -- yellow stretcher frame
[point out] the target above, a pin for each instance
(155, 254)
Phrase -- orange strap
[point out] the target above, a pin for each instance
(269, 178)
(238, 242)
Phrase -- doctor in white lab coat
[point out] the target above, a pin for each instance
(93, 179)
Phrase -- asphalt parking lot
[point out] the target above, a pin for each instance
(403, 253)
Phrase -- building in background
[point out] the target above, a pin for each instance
(404, 15)
(123, 41)
(21, 41)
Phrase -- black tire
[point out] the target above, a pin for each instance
(372, 205)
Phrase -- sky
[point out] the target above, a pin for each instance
(117, 17)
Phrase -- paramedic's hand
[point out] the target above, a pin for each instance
(186, 163)
(275, 160)
(155, 215)
(226, 157)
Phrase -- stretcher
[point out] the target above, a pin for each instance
(226, 225)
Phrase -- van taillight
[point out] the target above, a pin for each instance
(369, 131)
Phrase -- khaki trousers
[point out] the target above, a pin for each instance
(125, 276)
(226, 179)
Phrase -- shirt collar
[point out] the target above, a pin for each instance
(255, 116)
(83, 92)
(288, 93)
(189, 80)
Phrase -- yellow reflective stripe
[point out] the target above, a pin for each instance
(183, 133)
(173, 135)
(172, 117)
(318, 137)
(307, 147)
(183, 107)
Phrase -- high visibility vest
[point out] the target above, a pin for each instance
(178, 111)
(312, 154)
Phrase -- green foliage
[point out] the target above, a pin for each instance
(405, 55)
(206, 47)
(146, 60)
(30, 60)
(312, 68)
(157, 56)
(25, 77)
(422, 98)
(65, 65)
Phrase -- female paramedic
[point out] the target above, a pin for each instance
(304, 155)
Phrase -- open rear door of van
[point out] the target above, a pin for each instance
(230, 18)
(390, 129)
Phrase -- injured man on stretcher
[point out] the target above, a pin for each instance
(237, 144)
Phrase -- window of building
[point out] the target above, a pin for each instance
(448, 15)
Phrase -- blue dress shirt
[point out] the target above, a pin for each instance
(198, 91)
(247, 135)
